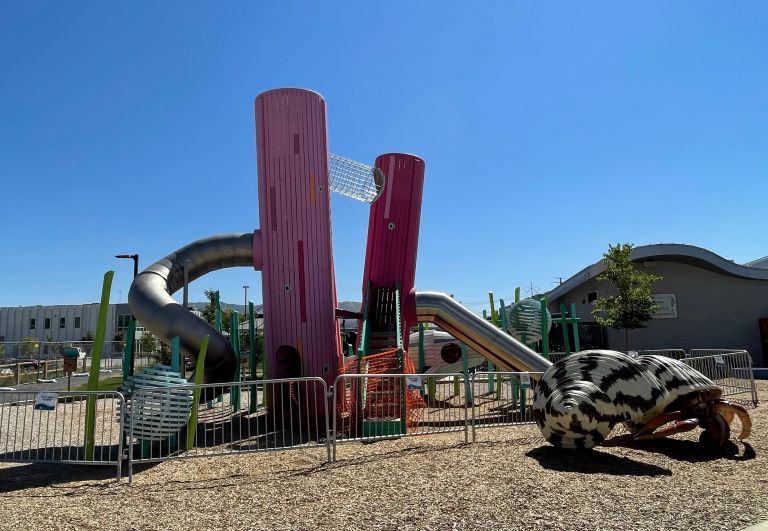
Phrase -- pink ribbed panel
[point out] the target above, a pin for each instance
(390, 257)
(295, 217)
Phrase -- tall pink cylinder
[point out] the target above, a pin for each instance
(393, 231)
(301, 336)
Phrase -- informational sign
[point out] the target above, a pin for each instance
(46, 401)
(666, 306)
(414, 382)
(70, 364)
(525, 380)
(719, 360)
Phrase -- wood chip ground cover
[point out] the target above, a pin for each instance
(509, 478)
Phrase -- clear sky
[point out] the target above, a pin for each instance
(549, 130)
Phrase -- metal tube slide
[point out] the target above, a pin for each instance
(152, 305)
(496, 345)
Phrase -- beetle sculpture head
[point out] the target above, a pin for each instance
(579, 400)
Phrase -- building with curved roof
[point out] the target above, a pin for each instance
(704, 300)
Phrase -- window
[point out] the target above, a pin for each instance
(32, 323)
(47, 323)
(591, 297)
(62, 322)
(77, 322)
(122, 322)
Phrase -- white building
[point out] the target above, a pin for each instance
(61, 323)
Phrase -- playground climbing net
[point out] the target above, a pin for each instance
(354, 179)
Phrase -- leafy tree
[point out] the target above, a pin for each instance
(148, 343)
(29, 346)
(87, 337)
(209, 312)
(633, 304)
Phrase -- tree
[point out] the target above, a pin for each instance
(633, 304)
(209, 312)
(29, 346)
(148, 343)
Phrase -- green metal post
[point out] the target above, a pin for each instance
(468, 399)
(422, 356)
(456, 386)
(175, 354)
(517, 294)
(494, 315)
(575, 324)
(192, 426)
(93, 377)
(564, 323)
(234, 340)
(544, 329)
(254, 394)
(421, 348)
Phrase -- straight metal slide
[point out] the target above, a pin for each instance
(494, 344)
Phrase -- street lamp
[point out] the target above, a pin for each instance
(135, 258)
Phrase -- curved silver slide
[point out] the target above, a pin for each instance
(499, 347)
(152, 305)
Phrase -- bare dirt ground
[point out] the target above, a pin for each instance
(510, 478)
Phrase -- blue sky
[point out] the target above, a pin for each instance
(548, 131)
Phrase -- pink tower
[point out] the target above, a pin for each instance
(301, 336)
(393, 233)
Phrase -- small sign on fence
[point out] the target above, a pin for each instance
(414, 382)
(46, 401)
(719, 360)
(525, 380)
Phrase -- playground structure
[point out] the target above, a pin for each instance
(292, 249)
(392, 385)
(379, 391)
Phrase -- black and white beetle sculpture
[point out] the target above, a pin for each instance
(580, 399)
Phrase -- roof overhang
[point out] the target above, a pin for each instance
(668, 252)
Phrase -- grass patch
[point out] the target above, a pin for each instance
(113, 383)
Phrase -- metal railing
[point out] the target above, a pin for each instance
(502, 399)
(51, 427)
(238, 417)
(386, 406)
(674, 353)
(731, 370)
(701, 352)
(157, 424)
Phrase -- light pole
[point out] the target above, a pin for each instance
(135, 258)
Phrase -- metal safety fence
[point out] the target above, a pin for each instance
(372, 407)
(731, 370)
(161, 423)
(674, 353)
(502, 399)
(232, 418)
(55, 427)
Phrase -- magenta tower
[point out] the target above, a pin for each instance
(301, 336)
(393, 232)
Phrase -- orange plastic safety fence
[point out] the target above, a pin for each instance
(382, 395)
